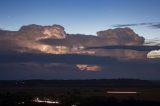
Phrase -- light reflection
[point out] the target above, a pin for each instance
(34, 46)
(37, 100)
(53, 49)
(154, 54)
(54, 33)
(85, 67)
(121, 92)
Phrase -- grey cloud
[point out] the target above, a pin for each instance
(149, 24)
(51, 58)
(22, 66)
(121, 36)
(22, 56)
(54, 40)
(130, 25)
(152, 42)
(125, 47)
(156, 25)
(124, 51)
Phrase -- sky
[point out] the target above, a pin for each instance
(37, 52)
(83, 16)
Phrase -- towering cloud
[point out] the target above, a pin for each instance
(54, 40)
(42, 32)
(121, 36)
(27, 39)
(31, 52)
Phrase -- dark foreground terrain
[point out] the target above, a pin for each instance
(120, 92)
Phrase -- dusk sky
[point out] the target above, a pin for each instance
(79, 39)
(83, 16)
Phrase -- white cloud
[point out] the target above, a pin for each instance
(154, 54)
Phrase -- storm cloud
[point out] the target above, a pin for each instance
(48, 52)
(54, 40)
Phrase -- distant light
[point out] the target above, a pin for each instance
(121, 92)
(45, 101)
(20, 102)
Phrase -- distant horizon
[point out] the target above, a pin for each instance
(79, 79)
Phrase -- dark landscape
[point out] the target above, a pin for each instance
(80, 92)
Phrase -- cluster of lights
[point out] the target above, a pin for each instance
(37, 100)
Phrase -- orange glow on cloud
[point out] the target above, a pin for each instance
(85, 67)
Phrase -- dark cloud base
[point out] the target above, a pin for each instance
(59, 58)
(43, 66)
(131, 47)
(156, 25)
